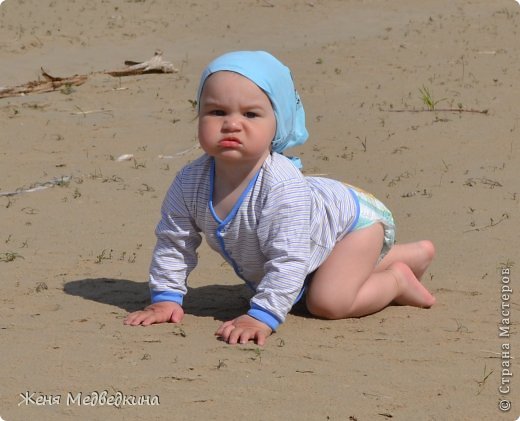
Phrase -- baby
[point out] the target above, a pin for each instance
(289, 237)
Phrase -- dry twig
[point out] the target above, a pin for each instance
(445, 110)
(492, 223)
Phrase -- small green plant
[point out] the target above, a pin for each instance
(257, 353)
(482, 382)
(145, 188)
(507, 264)
(221, 364)
(41, 286)
(10, 257)
(363, 143)
(104, 256)
(138, 165)
(460, 327)
(67, 89)
(427, 98)
(179, 331)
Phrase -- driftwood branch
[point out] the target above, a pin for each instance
(48, 84)
(154, 65)
(51, 83)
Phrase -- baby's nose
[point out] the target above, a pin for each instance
(231, 123)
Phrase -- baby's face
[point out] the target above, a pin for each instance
(236, 119)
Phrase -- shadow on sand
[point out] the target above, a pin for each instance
(222, 302)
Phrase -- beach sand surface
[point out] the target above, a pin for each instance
(75, 253)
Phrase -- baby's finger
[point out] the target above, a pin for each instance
(133, 319)
(147, 321)
(221, 333)
(246, 336)
(237, 335)
(151, 318)
(177, 316)
(260, 338)
(145, 318)
(128, 319)
(223, 326)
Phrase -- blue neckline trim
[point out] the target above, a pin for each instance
(238, 203)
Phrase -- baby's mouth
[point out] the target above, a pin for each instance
(229, 142)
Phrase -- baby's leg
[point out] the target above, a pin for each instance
(347, 285)
(417, 256)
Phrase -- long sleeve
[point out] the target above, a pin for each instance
(174, 256)
(283, 233)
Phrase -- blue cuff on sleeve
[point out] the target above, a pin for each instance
(158, 296)
(264, 316)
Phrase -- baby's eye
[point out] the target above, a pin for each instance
(251, 114)
(218, 113)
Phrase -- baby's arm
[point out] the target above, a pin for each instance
(164, 311)
(173, 259)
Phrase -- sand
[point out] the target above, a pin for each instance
(74, 256)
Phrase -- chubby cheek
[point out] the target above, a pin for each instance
(206, 133)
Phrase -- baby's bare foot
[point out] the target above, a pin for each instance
(425, 253)
(411, 291)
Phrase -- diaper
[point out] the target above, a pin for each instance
(372, 211)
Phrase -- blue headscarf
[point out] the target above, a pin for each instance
(276, 81)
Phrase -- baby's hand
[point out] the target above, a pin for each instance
(165, 311)
(242, 329)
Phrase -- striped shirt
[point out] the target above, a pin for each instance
(283, 227)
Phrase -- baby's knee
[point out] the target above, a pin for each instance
(326, 309)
